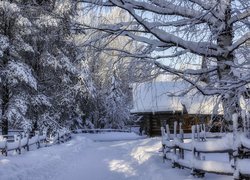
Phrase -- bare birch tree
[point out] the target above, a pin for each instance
(212, 34)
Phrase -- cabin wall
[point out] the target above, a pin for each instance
(152, 123)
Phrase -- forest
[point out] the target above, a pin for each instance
(73, 63)
(51, 77)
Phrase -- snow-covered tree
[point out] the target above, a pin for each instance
(58, 67)
(101, 66)
(17, 78)
(42, 83)
(202, 42)
(116, 105)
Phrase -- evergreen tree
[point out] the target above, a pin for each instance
(17, 78)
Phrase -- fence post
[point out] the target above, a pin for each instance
(181, 140)
(198, 132)
(63, 137)
(203, 132)
(38, 141)
(18, 140)
(175, 136)
(236, 154)
(193, 133)
(163, 134)
(58, 137)
(248, 123)
(181, 132)
(175, 129)
(168, 139)
(28, 138)
(196, 155)
(163, 139)
(5, 149)
(244, 122)
(168, 131)
(193, 149)
(44, 136)
(198, 139)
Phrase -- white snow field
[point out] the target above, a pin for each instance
(84, 159)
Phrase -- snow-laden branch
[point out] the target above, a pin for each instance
(163, 24)
(162, 8)
(201, 89)
(189, 74)
(177, 23)
(206, 5)
(206, 90)
(153, 42)
(97, 2)
(124, 53)
(240, 16)
(201, 48)
(154, 60)
(119, 29)
(239, 42)
(166, 40)
(191, 16)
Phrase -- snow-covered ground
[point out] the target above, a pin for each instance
(85, 159)
(113, 136)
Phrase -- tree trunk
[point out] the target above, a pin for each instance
(5, 102)
(8, 25)
(230, 99)
(5, 97)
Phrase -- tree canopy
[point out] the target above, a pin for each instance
(202, 42)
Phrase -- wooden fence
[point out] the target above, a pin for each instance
(21, 140)
(94, 131)
(17, 142)
(236, 145)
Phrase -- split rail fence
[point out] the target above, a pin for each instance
(95, 131)
(25, 140)
(190, 153)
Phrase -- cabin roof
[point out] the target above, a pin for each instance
(168, 96)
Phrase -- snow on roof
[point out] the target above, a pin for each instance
(170, 96)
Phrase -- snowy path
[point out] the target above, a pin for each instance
(83, 159)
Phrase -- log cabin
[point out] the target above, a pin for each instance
(161, 103)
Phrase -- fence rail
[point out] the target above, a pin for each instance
(19, 140)
(99, 130)
(236, 145)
